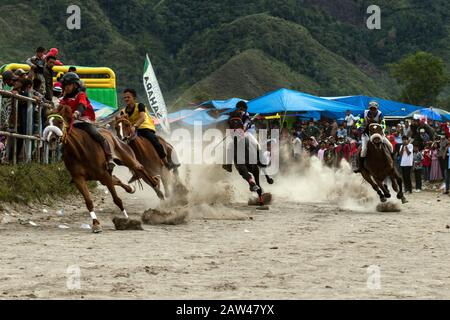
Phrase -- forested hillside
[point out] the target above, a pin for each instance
(218, 49)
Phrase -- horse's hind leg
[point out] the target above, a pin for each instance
(127, 188)
(81, 185)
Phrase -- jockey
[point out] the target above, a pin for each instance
(82, 111)
(249, 130)
(143, 124)
(373, 115)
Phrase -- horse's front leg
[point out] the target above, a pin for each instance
(108, 181)
(127, 188)
(366, 175)
(82, 186)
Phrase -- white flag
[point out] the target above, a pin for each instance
(154, 95)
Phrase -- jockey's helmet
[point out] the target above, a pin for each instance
(69, 78)
(373, 105)
(242, 105)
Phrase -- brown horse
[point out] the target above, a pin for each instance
(86, 161)
(379, 165)
(147, 155)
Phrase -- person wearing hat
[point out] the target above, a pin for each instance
(21, 74)
(372, 115)
(9, 78)
(57, 93)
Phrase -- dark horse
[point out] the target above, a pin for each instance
(86, 161)
(379, 165)
(248, 170)
(146, 154)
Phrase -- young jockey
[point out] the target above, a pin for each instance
(82, 110)
(373, 115)
(143, 123)
(248, 130)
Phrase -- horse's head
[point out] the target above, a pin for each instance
(57, 124)
(123, 128)
(376, 134)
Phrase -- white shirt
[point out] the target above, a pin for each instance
(407, 161)
(297, 146)
(350, 120)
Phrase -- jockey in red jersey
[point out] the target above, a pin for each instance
(83, 113)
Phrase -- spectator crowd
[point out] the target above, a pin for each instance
(421, 147)
(37, 83)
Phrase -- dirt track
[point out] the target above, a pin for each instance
(296, 250)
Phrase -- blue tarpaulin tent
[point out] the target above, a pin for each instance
(191, 117)
(388, 107)
(101, 110)
(432, 114)
(285, 100)
(222, 104)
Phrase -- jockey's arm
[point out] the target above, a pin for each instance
(79, 110)
(141, 118)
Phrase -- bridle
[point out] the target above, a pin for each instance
(65, 125)
(129, 138)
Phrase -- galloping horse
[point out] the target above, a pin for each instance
(147, 155)
(379, 165)
(247, 169)
(86, 161)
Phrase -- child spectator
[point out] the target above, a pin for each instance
(342, 132)
(436, 172)
(321, 152)
(427, 161)
(418, 168)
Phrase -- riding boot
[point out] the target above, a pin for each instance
(253, 186)
(228, 167)
(109, 157)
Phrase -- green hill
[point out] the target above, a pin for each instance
(218, 49)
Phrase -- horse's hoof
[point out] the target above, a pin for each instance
(387, 195)
(96, 228)
(133, 190)
(383, 199)
(270, 181)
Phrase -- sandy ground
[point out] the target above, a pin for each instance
(304, 247)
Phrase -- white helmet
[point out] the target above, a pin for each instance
(373, 104)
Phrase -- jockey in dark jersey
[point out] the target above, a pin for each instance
(83, 113)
